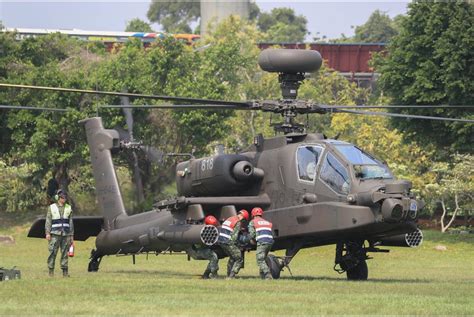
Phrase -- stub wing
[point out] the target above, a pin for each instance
(84, 227)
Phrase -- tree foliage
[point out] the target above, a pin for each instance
(138, 25)
(379, 28)
(431, 62)
(453, 187)
(174, 16)
(44, 143)
(283, 25)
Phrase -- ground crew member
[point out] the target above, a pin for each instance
(261, 231)
(202, 252)
(228, 236)
(59, 231)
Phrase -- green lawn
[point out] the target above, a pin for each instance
(420, 281)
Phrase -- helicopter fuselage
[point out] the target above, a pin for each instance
(315, 194)
(315, 191)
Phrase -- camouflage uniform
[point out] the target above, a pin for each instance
(264, 245)
(201, 252)
(231, 248)
(61, 237)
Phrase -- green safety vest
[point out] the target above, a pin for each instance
(60, 223)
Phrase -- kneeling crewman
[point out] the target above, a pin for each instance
(228, 241)
(202, 252)
(261, 231)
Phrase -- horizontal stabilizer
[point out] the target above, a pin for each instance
(84, 227)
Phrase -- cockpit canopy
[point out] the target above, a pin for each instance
(365, 166)
(338, 168)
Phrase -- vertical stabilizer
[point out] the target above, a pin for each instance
(100, 142)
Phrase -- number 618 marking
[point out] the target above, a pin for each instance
(207, 164)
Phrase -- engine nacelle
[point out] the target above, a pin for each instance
(219, 175)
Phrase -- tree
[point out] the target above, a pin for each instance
(44, 142)
(453, 187)
(254, 11)
(282, 25)
(379, 28)
(234, 56)
(174, 16)
(137, 25)
(431, 62)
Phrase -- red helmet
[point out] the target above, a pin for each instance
(244, 214)
(211, 220)
(257, 211)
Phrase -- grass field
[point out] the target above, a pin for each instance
(420, 281)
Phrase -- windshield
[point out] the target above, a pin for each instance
(334, 174)
(365, 166)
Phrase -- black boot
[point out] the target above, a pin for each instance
(268, 276)
(231, 276)
(65, 273)
(214, 275)
(51, 272)
(206, 274)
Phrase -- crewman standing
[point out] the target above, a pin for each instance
(202, 252)
(228, 236)
(261, 231)
(59, 231)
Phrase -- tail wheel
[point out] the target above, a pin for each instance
(94, 262)
(360, 272)
(274, 265)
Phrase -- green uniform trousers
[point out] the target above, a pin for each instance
(262, 252)
(236, 261)
(206, 254)
(58, 242)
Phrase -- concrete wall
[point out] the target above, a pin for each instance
(212, 10)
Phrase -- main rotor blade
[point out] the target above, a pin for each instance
(388, 114)
(33, 108)
(171, 106)
(132, 95)
(397, 107)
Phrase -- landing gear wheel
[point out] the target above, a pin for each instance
(274, 265)
(358, 273)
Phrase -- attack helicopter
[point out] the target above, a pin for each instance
(316, 191)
